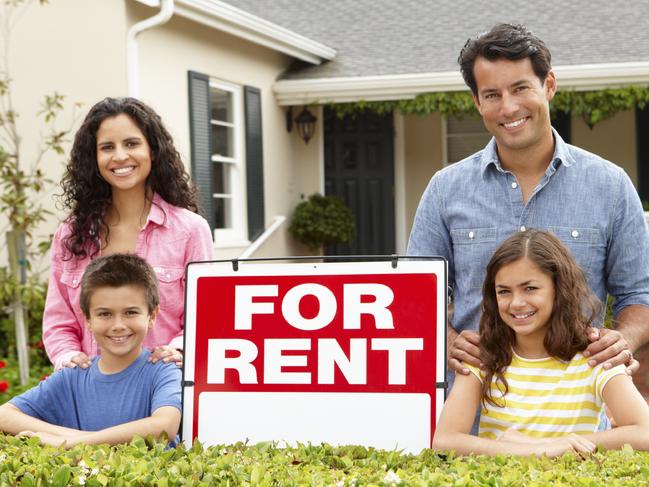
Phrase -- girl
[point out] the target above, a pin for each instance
(127, 191)
(538, 393)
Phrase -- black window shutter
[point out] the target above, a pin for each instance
(200, 133)
(254, 162)
(561, 123)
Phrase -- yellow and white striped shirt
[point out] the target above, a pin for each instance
(546, 397)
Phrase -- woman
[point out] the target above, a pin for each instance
(127, 191)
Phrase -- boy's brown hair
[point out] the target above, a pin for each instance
(118, 270)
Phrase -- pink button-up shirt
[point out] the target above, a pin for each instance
(170, 238)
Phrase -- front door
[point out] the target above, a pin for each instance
(359, 167)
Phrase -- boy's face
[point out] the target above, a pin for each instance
(119, 320)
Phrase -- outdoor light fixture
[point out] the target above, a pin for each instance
(305, 122)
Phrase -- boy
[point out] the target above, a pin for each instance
(121, 394)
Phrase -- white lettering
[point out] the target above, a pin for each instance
(245, 307)
(274, 361)
(217, 362)
(354, 308)
(397, 348)
(326, 311)
(353, 368)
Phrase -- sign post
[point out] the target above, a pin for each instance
(337, 352)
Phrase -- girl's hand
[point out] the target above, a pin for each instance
(564, 444)
(166, 354)
(80, 359)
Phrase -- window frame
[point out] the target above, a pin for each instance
(235, 235)
(445, 138)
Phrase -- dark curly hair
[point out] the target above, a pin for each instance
(574, 309)
(88, 196)
(504, 41)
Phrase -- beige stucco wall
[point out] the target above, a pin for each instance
(613, 139)
(168, 52)
(423, 157)
(75, 48)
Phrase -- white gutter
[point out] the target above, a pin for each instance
(252, 248)
(239, 23)
(583, 77)
(132, 61)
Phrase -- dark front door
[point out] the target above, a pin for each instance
(359, 167)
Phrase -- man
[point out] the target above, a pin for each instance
(528, 177)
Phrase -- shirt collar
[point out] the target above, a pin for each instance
(561, 154)
(157, 213)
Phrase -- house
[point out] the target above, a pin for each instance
(230, 76)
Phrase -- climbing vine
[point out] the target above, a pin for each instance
(592, 106)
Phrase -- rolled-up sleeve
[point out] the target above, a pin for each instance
(61, 330)
(627, 264)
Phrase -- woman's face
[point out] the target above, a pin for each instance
(123, 154)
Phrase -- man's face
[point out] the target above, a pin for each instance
(513, 102)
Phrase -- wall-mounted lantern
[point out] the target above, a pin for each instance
(305, 123)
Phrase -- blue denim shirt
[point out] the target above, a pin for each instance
(469, 208)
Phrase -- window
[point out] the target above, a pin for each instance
(227, 157)
(226, 125)
(464, 136)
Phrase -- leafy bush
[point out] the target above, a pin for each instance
(27, 463)
(33, 293)
(322, 220)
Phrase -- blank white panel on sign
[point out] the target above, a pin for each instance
(369, 419)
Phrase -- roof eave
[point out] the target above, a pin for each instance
(584, 77)
(239, 23)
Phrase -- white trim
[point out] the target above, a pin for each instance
(581, 77)
(277, 222)
(226, 18)
(234, 236)
(132, 51)
(444, 141)
(321, 154)
(400, 218)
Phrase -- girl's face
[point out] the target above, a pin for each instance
(525, 296)
(123, 154)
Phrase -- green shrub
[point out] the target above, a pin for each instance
(10, 378)
(33, 292)
(322, 220)
(27, 463)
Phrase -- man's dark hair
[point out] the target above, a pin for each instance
(504, 41)
(118, 270)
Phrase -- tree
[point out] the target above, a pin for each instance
(21, 180)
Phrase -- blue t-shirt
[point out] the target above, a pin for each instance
(88, 400)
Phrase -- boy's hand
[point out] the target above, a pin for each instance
(80, 359)
(47, 438)
(166, 354)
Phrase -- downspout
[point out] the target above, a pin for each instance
(132, 62)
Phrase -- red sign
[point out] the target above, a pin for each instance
(315, 352)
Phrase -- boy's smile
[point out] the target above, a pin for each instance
(119, 320)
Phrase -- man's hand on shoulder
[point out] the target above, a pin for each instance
(464, 349)
(610, 348)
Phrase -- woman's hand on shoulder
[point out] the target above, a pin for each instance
(166, 354)
(80, 359)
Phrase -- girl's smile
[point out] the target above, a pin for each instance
(525, 296)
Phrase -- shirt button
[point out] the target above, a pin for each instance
(514, 185)
(168, 276)
(575, 234)
(74, 281)
(471, 235)
(523, 228)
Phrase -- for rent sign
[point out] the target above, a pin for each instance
(345, 353)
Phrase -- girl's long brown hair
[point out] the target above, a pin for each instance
(574, 310)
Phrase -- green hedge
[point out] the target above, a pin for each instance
(26, 463)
